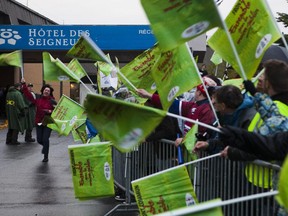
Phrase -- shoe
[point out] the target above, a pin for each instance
(119, 198)
(45, 160)
(30, 140)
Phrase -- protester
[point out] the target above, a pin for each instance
(45, 104)
(15, 109)
(233, 109)
(199, 109)
(272, 103)
(30, 115)
(265, 147)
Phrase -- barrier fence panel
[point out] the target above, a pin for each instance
(212, 178)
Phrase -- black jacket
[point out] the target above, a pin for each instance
(274, 147)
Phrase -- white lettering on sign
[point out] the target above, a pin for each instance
(145, 31)
(56, 37)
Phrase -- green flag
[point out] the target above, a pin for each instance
(174, 73)
(65, 114)
(177, 22)
(236, 82)
(138, 71)
(282, 197)
(86, 49)
(123, 123)
(55, 70)
(216, 58)
(252, 30)
(78, 124)
(164, 191)
(75, 66)
(104, 67)
(91, 167)
(13, 59)
(190, 140)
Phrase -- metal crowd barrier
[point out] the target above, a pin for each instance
(212, 178)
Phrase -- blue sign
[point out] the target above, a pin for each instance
(63, 37)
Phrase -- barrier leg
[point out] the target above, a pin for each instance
(127, 206)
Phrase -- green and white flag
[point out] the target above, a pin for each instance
(81, 134)
(252, 30)
(55, 70)
(216, 58)
(66, 113)
(86, 49)
(282, 197)
(174, 73)
(92, 173)
(176, 22)
(164, 191)
(123, 123)
(105, 67)
(75, 66)
(138, 71)
(190, 140)
(13, 59)
(78, 124)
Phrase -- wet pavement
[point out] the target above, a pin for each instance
(29, 187)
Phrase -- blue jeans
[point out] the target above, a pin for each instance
(43, 134)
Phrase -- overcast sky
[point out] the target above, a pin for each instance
(97, 12)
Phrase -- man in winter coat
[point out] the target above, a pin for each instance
(15, 109)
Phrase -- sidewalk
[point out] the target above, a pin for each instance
(29, 187)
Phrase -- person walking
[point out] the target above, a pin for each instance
(15, 110)
(30, 115)
(45, 104)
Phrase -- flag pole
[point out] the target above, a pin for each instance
(215, 204)
(194, 122)
(207, 94)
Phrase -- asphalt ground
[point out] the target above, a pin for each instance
(29, 187)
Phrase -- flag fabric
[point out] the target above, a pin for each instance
(252, 30)
(83, 134)
(105, 67)
(216, 58)
(75, 66)
(164, 191)
(91, 167)
(123, 123)
(77, 135)
(174, 73)
(176, 22)
(138, 71)
(86, 49)
(65, 114)
(282, 197)
(13, 59)
(55, 70)
(236, 82)
(190, 140)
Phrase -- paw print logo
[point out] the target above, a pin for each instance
(9, 36)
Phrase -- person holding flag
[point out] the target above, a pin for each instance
(199, 109)
(45, 104)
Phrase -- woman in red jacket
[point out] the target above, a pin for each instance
(45, 104)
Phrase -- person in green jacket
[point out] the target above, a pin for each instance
(15, 109)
